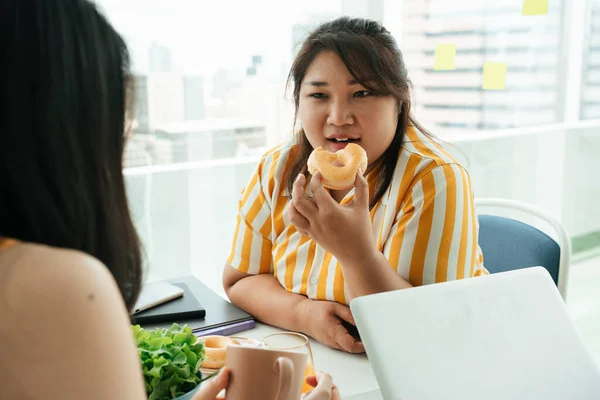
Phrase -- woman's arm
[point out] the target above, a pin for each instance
(65, 330)
(371, 274)
(264, 297)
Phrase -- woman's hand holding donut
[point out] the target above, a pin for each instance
(343, 230)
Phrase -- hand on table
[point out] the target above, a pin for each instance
(324, 388)
(322, 320)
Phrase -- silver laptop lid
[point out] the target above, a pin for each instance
(502, 336)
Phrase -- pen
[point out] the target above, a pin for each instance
(227, 329)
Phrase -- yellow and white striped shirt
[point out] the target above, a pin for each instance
(425, 224)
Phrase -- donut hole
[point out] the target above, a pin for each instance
(338, 164)
(213, 343)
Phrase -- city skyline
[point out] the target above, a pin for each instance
(454, 100)
(446, 102)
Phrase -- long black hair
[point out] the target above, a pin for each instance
(373, 58)
(64, 79)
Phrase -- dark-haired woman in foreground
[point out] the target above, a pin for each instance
(70, 263)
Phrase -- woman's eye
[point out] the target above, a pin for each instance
(317, 95)
(362, 93)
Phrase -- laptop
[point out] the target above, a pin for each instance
(501, 336)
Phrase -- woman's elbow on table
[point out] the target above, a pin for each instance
(231, 276)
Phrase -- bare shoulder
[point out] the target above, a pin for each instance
(62, 314)
(34, 273)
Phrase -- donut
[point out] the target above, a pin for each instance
(338, 170)
(215, 348)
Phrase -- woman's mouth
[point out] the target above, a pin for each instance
(340, 143)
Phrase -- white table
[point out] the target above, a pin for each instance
(352, 373)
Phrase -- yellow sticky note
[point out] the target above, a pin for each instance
(494, 75)
(444, 56)
(535, 7)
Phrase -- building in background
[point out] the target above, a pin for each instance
(454, 101)
(590, 89)
(213, 139)
(159, 99)
(193, 92)
(171, 117)
(141, 113)
(166, 99)
(160, 59)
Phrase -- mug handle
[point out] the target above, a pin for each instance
(284, 367)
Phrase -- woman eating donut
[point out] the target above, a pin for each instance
(361, 200)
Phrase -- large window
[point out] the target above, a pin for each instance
(210, 81)
(210, 85)
(210, 76)
(453, 100)
(590, 95)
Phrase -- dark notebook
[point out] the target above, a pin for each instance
(220, 313)
(184, 307)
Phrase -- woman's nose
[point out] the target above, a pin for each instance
(340, 114)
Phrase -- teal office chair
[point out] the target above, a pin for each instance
(508, 244)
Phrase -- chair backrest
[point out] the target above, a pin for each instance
(508, 244)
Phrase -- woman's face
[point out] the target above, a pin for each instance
(336, 110)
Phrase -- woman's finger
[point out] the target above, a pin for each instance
(343, 312)
(361, 191)
(212, 387)
(301, 223)
(322, 197)
(311, 380)
(323, 390)
(347, 342)
(298, 186)
(335, 393)
(325, 381)
(303, 204)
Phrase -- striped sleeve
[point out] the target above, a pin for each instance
(251, 248)
(434, 236)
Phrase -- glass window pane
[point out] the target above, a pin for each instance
(454, 100)
(210, 84)
(210, 79)
(590, 90)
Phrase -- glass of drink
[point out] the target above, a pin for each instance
(292, 341)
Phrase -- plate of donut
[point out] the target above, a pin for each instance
(216, 347)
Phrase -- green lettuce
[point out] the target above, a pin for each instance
(171, 360)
